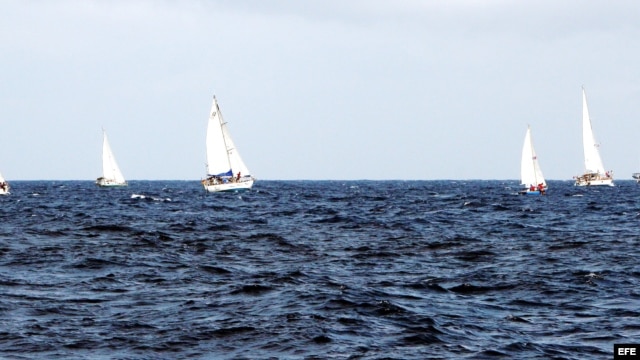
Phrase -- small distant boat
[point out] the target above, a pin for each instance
(531, 176)
(4, 186)
(225, 169)
(111, 174)
(594, 174)
(636, 176)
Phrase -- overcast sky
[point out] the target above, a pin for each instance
(327, 89)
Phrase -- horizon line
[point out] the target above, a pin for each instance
(364, 179)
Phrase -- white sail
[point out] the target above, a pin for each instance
(237, 165)
(594, 174)
(111, 174)
(222, 155)
(217, 157)
(592, 160)
(225, 169)
(530, 172)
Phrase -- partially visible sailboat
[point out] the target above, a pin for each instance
(4, 186)
(531, 176)
(225, 169)
(111, 174)
(594, 174)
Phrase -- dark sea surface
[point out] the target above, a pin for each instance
(318, 270)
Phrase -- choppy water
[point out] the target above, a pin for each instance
(318, 269)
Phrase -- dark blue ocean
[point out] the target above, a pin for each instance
(318, 270)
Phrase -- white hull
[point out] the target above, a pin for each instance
(594, 180)
(4, 192)
(109, 183)
(636, 176)
(530, 192)
(230, 186)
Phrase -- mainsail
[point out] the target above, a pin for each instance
(110, 169)
(223, 159)
(592, 160)
(530, 172)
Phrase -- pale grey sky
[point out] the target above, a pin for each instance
(328, 89)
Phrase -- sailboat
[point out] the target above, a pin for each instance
(111, 174)
(530, 173)
(4, 186)
(594, 174)
(225, 169)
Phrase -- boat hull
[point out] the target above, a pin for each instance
(528, 191)
(102, 182)
(594, 180)
(4, 192)
(636, 176)
(229, 187)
